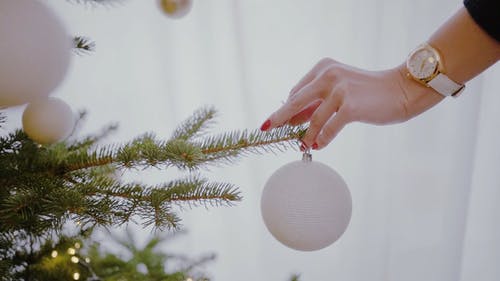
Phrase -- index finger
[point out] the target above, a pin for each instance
(294, 105)
(310, 76)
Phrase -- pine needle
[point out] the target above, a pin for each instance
(83, 45)
(196, 125)
(2, 119)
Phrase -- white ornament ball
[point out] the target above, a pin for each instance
(306, 205)
(175, 8)
(35, 51)
(48, 121)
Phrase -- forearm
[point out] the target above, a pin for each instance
(333, 94)
(466, 49)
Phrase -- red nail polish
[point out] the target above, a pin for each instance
(315, 146)
(303, 146)
(266, 125)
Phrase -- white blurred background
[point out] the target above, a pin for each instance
(426, 193)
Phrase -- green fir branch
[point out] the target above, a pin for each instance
(153, 204)
(44, 186)
(88, 141)
(153, 256)
(195, 190)
(83, 45)
(146, 151)
(228, 147)
(196, 125)
(80, 119)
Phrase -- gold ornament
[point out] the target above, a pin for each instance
(175, 8)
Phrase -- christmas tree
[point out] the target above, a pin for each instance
(45, 187)
(77, 182)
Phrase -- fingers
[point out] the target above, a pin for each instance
(318, 68)
(331, 129)
(305, 114)
(304, 81)
(314, 98)
(294, 105)
(318, 119)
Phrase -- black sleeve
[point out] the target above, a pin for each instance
(486, 13)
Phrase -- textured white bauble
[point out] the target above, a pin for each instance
(306, 205)
(175, 8)
(48, 121)
(35, 51)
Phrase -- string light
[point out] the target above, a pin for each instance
(75, 259)
(76, 276)
(189, 279)
(71, 251)
(77, 245)
(53, 254)
(87, 260)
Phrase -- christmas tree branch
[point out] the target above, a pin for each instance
(183, 154)
(196, 125)
(152, 256)
(44, 186)
(83, 44)
(152, 203)
(229, 146)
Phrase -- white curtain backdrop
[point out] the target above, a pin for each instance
(426, 193)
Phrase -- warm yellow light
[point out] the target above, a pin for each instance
(71, 251)
(87, 260)
(76, 276)
(431, 59)
(189, 279)
(77, 245)
(75, 259)
(53, 254)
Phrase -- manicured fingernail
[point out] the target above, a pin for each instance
(303, 146)
(315, 146)
(266, 125)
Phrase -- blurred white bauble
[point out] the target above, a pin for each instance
(35, 51)
(306, 205)
(48, 121)
(175, 8)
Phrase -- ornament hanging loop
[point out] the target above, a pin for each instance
(307, 156)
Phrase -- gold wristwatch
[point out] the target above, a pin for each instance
(425, 65)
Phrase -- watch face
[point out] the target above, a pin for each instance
(422, 63)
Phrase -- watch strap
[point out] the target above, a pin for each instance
(445, 86)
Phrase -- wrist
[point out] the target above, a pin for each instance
(418, 97)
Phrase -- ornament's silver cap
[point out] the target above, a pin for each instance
(307, 156)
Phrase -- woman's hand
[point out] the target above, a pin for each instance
(333, 94)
